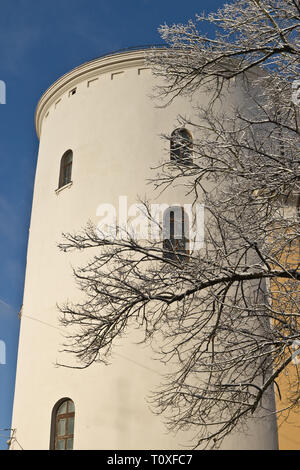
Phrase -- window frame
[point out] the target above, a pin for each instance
(181, 146)
(55, 418)
(65, 168)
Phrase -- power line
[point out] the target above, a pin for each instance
(41, 321)
(115, 353)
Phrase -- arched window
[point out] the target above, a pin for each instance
(65, 173)
(175, 234)
(62, 426)
(181, 146)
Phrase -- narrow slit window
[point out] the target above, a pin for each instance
(175, 234)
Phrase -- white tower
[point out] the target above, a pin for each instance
(99, 130)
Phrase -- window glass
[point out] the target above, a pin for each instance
(60, 444)
(61, 427)
(62, 409)
(70, 429)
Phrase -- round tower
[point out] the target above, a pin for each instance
(100, 135)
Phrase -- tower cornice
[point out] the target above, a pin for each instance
(88, 70)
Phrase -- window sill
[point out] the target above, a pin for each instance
(68, 185)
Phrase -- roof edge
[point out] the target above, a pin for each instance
(105, 63)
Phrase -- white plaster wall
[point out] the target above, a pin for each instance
(113, 129)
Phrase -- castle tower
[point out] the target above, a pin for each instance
(99, 137)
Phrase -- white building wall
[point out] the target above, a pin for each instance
(113, 128)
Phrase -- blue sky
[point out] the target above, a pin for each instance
(40, 41)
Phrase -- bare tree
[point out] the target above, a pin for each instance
(226, 314)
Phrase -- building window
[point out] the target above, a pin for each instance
(72, 92)
(175, 234)
(65, 168)
(181, 146)
(62, 433)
